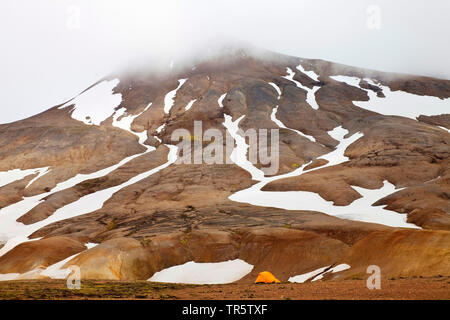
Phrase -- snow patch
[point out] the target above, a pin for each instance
(351, 81)
(125, 123)
(277, 88)
(56, 271)
(239, 153)
(359, 210)
(337, 156)
(397, 103)
(9, 276)
(10, 176)
(303, 277)
(96, 104)
(220, 101)
(310, 93)
(281, 124)
(189, 105)
(160, 128)
(42, 172)
(310, 74)
(169, 98)
(91, 245)
(338, 268)
(444, 128)
(204, 273)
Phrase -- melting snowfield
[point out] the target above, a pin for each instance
(7, 177)
(310, 74)
(92, 107)
(303, 277)
(443, 128)
(96, 104)
(319, 273)
(125, 123)
(17, 232)
(280, 124)
(169, 98)
(189, 105)
(311, 93)
(335, 269)
(337, 156)
(220, 101)
(99, 103)
(239, 154)
(204, 273)
(359, 210)
(13, 233)
(397, 103)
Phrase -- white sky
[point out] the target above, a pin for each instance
(47, 56)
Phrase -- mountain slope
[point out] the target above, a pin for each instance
(104, 168)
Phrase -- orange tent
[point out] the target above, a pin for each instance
(266, 277)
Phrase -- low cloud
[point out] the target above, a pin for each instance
(54, 49)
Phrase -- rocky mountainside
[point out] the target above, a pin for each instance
(363, 174)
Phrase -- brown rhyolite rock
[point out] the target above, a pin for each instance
(427, 205)
(430, 218)
(400, 253)
(13, 192)
(117, 259)
(442, 120)
(32, 255)
(286, 252)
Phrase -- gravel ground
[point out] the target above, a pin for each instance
(409, 289)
